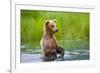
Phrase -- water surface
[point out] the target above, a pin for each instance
(69, 56)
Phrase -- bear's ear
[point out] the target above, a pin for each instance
(55, 20)
(46, 22)
(46, 28)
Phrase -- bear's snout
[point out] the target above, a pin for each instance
(56, 30)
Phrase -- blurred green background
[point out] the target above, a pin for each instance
(73, 29)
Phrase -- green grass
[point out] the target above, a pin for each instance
(73, 28)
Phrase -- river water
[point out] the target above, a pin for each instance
(69, 56)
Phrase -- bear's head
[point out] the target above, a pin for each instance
(50, 26)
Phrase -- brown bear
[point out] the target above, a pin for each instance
(48, 43)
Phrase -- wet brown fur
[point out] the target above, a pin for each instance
(48, 43)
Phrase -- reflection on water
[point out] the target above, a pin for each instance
(69, 56)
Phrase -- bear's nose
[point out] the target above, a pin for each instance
(56, 30)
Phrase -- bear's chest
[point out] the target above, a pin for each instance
(49, 43)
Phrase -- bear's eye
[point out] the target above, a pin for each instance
(52, 26)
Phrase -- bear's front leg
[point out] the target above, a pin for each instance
(60, 51)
